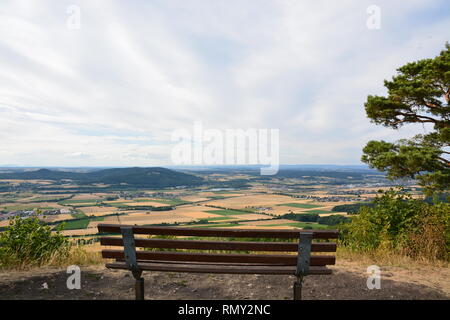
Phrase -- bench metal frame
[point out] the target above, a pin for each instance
(132, 264)
(129, 248)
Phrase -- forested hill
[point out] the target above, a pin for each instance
(155, 177)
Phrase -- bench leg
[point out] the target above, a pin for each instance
(298, 288)
(139, 288)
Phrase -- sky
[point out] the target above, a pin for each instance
(106, 83)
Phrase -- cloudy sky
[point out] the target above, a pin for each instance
(111, 90)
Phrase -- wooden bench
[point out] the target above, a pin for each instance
(296, 258)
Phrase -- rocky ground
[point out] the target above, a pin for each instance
(347, 282)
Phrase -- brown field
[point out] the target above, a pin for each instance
(253, 226)
(330, 214)
(59, 217)
(4, 223)
(194, 198)
(79, 232)
(33, 205)
(98, 211)
(86, 196)
(250, 216)
(17, 181)
(146, 203)
(147, 218)
(253, 200)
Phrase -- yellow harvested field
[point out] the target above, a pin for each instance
(86, 197)
(250, 216)
(333, 213)
(268, 222)
(147, 218)
(199, 215)
(193, 211)
(4, 223)
(254, 200)
(146, 203)
(261, 227)
(194, 198)
(98, 211)
(59, 217)
(17, 181)
(79, 232)
(33, 205)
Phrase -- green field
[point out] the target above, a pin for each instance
(78, 215)
(227, 212)
(25, 207)
(217, 197)
(300, 205)
(318, 211)
(80, 223)
(79, 203)
(171, 202)
(218, 218)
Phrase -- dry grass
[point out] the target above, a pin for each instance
(387, 258)
(78, 255)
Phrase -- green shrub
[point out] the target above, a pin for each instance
(303, 217)
(29, 242)
(400, 223)
(352, 208)
(333, 220)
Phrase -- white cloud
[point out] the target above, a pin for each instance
(112, 92)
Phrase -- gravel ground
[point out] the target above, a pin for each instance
(101, 283)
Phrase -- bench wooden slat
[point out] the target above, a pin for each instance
(316, 260)
(219, 232)
(206, 263)
(224, 269)
(219, 245)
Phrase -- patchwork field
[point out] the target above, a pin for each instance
(241, 202)
(257, 205)
(98, 211)
(148, 218)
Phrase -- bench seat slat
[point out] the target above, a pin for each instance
(219, 232)
(205, 263)
(219, 245)
(316, 260)
(224, 269)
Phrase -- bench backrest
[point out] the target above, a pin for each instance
(280, 247)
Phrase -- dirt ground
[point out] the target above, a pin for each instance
(347, 282)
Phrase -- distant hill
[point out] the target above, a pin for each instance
(155, 177)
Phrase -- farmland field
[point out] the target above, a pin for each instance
(299, 205)
(256, 205)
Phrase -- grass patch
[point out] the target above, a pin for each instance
(228, 212)
(171, 202)
(318, 211)
(219, 218)
(80, 223)
(79, 215)
(386, 258)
